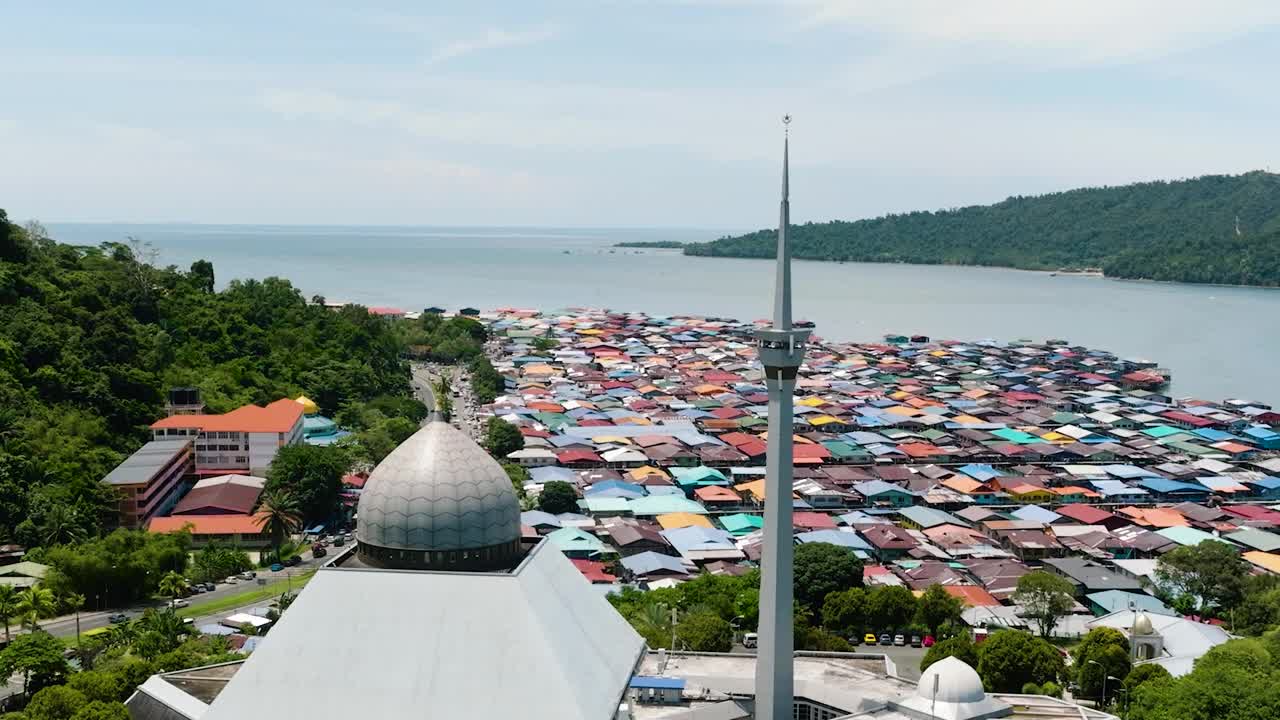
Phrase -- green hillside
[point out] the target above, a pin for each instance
(1183, 231)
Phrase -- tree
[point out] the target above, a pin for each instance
(1109, 649)
(1009, 659)
(58, 702)
(519, 476)
(1211, 571)
(502, 438)
(174, 585)
(844, 612)
(158, 632)
(73, 601)
(1237, 680)
(1045, 598)
(890, 607)
(98, 710)
(312, 474)
(99, 685)
(1144, 673)
(34, 603)
(961, 647)
(278, 516)
(558, 497)
(1258, 613)
(202, 275)
(704, 632)
(8, 607)
(443, 396)
(821, 569)
(937, 607)
(38, 656)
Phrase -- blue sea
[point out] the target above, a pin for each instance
(1220, 342)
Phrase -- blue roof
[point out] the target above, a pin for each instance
(660, 683)
(650, 561)
(1115, 600)
(1035, 513)
(1165, 485)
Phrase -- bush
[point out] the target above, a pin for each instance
(1010, 659)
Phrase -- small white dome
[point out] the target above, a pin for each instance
(1142, 625)
(957, 682)
(959, 694)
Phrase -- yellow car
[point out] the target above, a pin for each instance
(870, 639)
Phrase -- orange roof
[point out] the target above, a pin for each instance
(968, 486)
(672, 521)
(280, 416)
(1156, 517)
(207, 524)
(716, 492)
(1266, 561)
(1025, 488)
(1074, 490)
(972, 595)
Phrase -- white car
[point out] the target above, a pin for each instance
(232, 579)
(178, 603)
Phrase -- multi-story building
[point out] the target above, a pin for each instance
(150, 481)
(243, 441)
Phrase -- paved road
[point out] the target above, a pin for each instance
(421, 381)
(66, 626)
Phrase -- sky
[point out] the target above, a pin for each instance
(616, 113)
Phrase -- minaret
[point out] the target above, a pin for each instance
(781, 352)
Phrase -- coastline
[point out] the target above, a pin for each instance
(1063, 273)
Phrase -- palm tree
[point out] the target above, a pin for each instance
(61, 526)
(75, 601)
(35, 603)
(279, 516)
(173, 584)
(8, 607)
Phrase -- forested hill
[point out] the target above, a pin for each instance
(1183, 231)
(90, 338)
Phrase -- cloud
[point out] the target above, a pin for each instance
(491, 39)
(1070, 32)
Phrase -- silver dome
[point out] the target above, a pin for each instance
(438, 490)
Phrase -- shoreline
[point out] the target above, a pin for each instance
(1062, 273)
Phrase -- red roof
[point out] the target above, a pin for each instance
(355, 480)
(1188, 418)
(972, 595)
(593, 570)
(571, 456)
(387, 311)
(1084, 513)
(207, 524)
(813, 521)
(278, 417)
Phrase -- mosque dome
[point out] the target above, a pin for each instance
(438, 502)
(1142, 625)
(951, 690)
(957, 682)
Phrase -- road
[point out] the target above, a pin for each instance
(421, 382)
(424, 378)
(66, 626)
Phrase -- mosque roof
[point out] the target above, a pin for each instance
(534, 643)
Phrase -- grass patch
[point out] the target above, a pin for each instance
(253, 595)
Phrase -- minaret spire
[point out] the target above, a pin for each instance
(782, 284)
(781, 352)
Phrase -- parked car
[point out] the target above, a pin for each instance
(928, 641)
(276, 567)
(917, 641)
(750, 640)
(248, 575)
(196, 589)
(292, 561)
(210, 587)
(869, 638)
(232, 580)
(118, 618)
(317, 550)
(178, 603)
(900, 639)
(886, 639)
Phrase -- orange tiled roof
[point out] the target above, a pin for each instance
(207, 524)
(280, 416)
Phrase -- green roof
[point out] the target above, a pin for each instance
(1160, 431)
(741, 523)
(571, 539)
(1016, 436)
(606, 504)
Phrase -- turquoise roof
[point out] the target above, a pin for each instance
(663, 504)
(742, 523)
